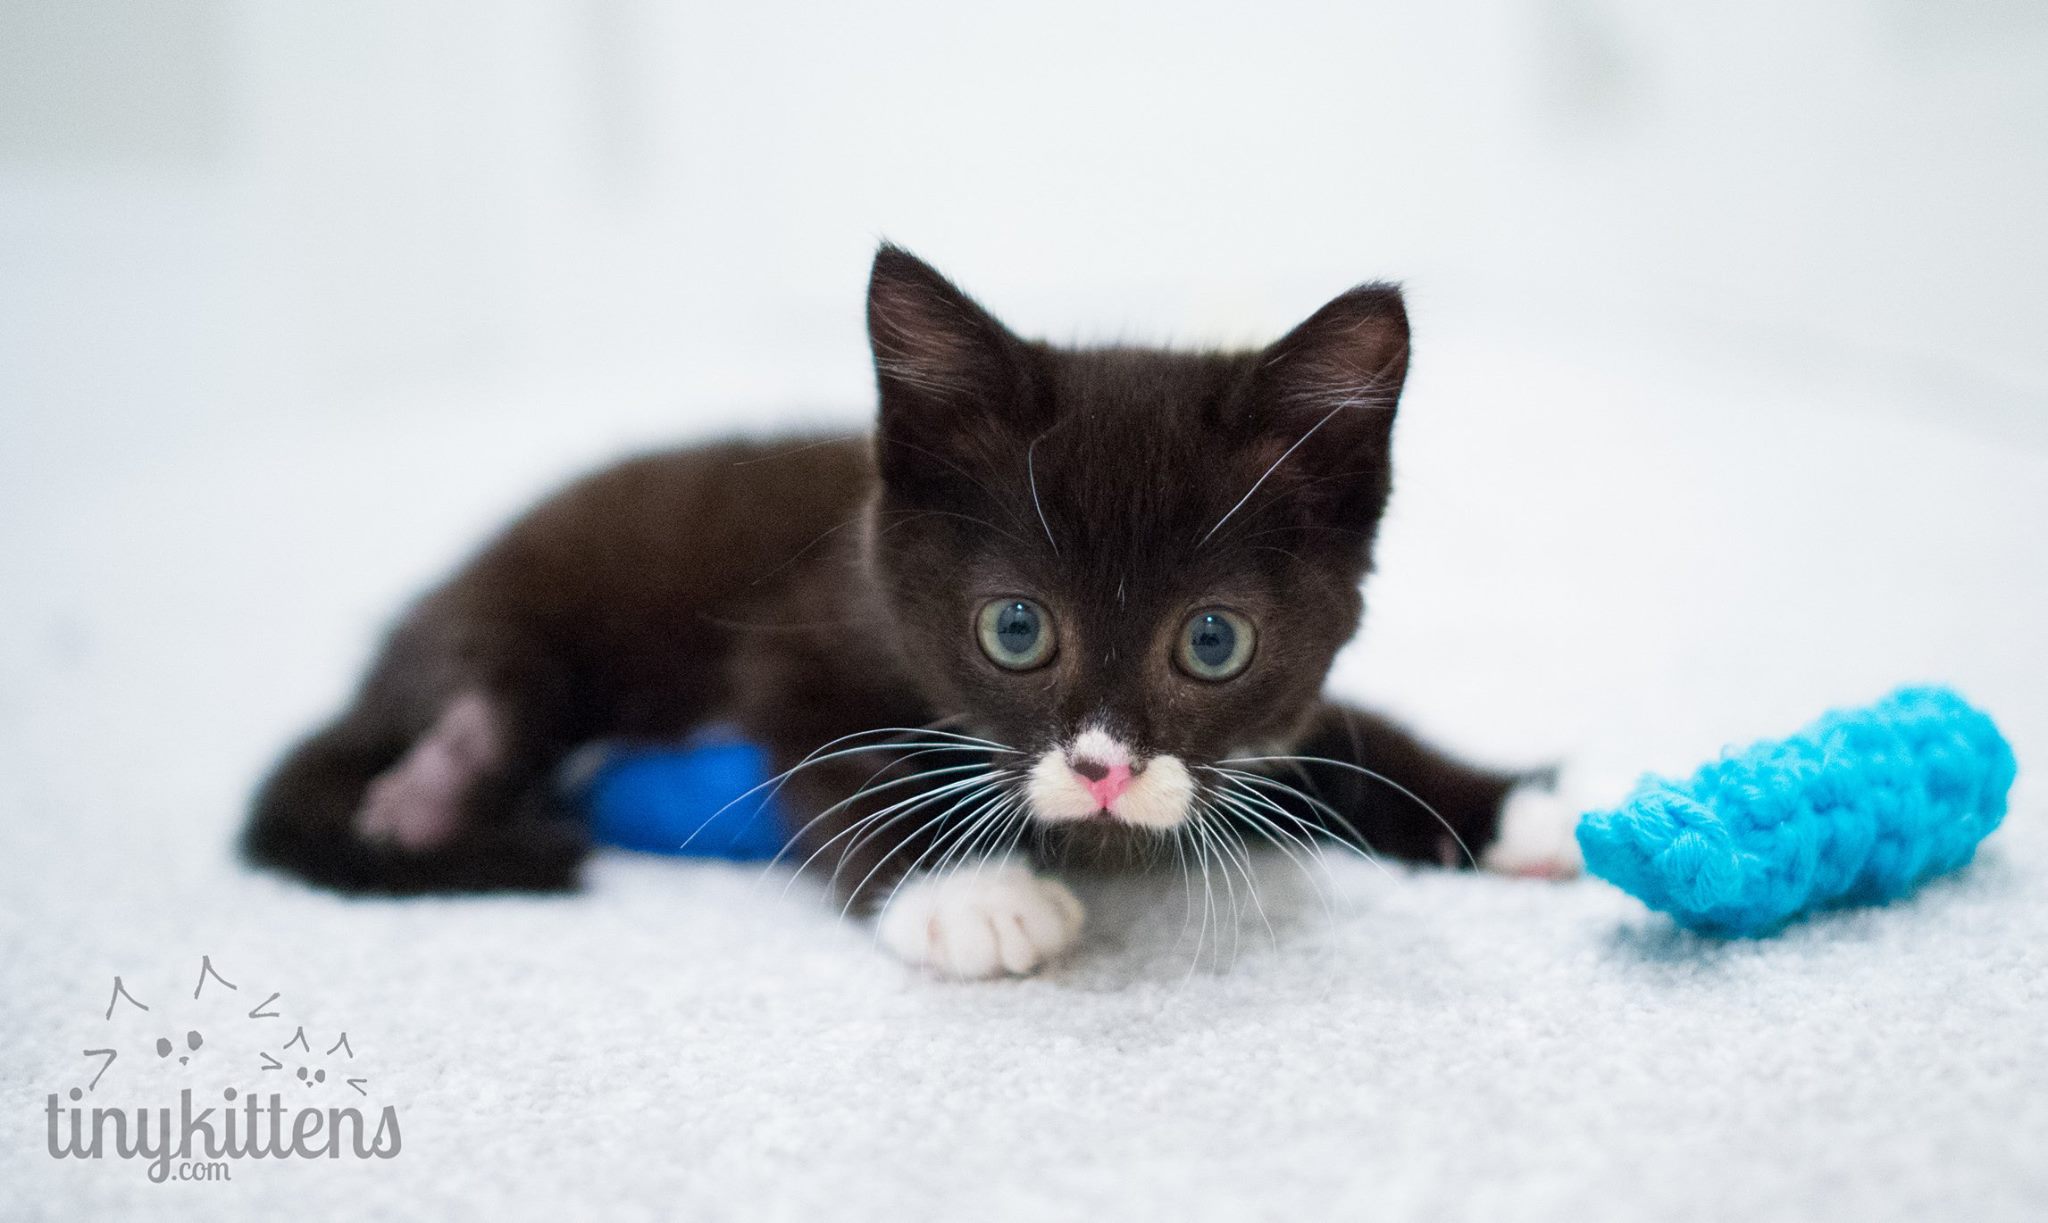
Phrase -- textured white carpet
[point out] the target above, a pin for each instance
(1633, 563)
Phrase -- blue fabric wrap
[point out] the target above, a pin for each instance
(1861, 807)
(703, 800)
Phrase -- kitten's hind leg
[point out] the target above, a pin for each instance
(1538, 833)
(361, 807)
(417, 803)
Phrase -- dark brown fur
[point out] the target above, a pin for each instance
(809, 589)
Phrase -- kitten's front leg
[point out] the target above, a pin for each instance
(1375, 784)
(916, 850)
(982, 919)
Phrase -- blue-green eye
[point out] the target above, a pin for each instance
(1215, 644)
(1015, 633)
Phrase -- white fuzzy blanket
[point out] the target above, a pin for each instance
(1631, 564)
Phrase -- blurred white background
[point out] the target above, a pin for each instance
(216, 212)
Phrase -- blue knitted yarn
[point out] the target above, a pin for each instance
(704, 799)
(1860, 807)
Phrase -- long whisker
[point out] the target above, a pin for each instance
(865, 787)
(798, 555)
(1017, 820)
(963, 791)
(1356, 845)
(883, 860)
(1246, 802)
(909, 872)
(981, 846)
(1234, 844)
(1187, 885)
(1203, 823)
(1358, 397)
(915, 749)
(1031, 474)
(1279, 839)
(821, 754)
(964, 839)
(962, 472)
(1229, 887)
(1201, 849)
(997, 802)
(1470, 857)
(983, 795)
(867, 825)
(865, 790)
(909, 516)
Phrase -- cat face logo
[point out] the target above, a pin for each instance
(192, 1042)
(307, 1071)
(223, 1086)
(313, 1076)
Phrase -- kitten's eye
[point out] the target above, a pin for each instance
(1215, 645)
(1015, 633)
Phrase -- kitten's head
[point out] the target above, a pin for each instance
(1127, 564)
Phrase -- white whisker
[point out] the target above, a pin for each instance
(1208, 900)
(1234, 845)
(936, 821)
(1279, 839)
(1356, 845)
(1203, 824)
(1031, 474)
(821, 755)
(990, 786)
(1352, 400)
(865, 791)
(1361, 769)
(878, 821)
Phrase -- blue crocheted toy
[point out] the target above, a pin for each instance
(1861, 807)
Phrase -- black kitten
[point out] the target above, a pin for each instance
(1079, 599)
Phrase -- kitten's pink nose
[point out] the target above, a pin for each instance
(1103, 781)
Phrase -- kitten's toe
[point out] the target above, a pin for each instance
(1538, 828)
(981, 921)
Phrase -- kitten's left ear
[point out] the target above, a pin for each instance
(1352, 353)
(1326, 392)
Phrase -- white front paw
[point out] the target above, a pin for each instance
(981, 921)
(1538, 834)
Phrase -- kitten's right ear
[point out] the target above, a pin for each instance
(946, 369)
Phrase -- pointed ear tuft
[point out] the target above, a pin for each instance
(1352, 351)
(1323, 398)
(951, 377)
(929, 339)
